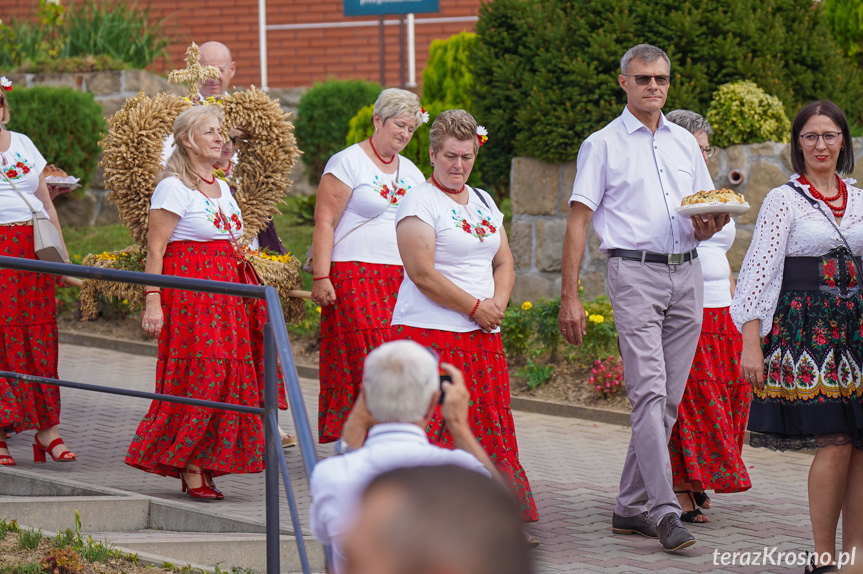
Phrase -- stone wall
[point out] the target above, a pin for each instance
(111, 89)
(540, 192)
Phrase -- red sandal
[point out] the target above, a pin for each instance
(203, 493)
(6, 459)
(39, 451)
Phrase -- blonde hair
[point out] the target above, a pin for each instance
(453, 123)
(4, 114)
(187, 123)
(395, 102)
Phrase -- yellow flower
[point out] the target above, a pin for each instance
(125, 301)
(596, 319)
(527, 306)
(318, 309)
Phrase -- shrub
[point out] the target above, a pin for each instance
(323, 118)
(116, 33)
(846, 21)
(448, 76)
(742, 112)
(65, 125)
(606, 377)
(535, 374)
(546, 70)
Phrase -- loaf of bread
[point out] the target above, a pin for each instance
(713, 196)
(52, 170)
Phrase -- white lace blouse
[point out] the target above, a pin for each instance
(788, 226)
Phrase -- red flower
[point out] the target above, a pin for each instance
(25, 169)
(829, 268)
(217, 221)
(19, 164)
(820, 340)
(12, 173)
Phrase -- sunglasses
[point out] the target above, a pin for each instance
(644, 79)
(234, 139)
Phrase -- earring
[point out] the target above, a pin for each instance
(432, 163)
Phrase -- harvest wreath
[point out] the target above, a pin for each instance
(133, 149)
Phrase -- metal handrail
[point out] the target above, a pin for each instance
(276, 345)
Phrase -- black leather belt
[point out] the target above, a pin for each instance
(650, 257)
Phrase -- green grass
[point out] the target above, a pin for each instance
(29, 539)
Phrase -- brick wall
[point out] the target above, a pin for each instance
(296, 57)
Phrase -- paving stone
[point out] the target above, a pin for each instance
(573, 466)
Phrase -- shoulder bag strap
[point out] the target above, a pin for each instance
(832, 221)
(18, 191)
(398, 167)
(481, 198)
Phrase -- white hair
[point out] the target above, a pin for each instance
(400, 378)
(395, 103)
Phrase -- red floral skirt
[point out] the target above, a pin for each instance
(358, 323)
(480, 357)
(707, 440)
(205, 352)
(28, 338)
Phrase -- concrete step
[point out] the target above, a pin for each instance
(209, 549)
(57, 513)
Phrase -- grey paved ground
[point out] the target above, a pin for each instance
(573, 467)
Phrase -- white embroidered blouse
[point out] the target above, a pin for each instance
(789, 226)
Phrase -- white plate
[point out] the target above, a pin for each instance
(715, 207)
(64, 184)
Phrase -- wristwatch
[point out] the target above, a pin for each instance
(341, 447)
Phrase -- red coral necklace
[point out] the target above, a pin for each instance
(211, 181)
(371, 143)
(843, 193)
(446, 189)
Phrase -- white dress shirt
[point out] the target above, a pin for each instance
(634, 179)
(338, 482)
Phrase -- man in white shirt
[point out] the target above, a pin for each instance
(437, 520)
(400, 391)
(632, 175)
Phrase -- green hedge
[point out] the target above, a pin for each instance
(323, 117)
(64, 124)
(546, 70)
(448, 76)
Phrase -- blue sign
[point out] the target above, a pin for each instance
(384, 7)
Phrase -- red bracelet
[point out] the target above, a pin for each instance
(475, 307)
(320, 278)
(159, 291)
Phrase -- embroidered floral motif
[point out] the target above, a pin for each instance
(224, 223)
(484, 228)
(392, 192)
(17, 170)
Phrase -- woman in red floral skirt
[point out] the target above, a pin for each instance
(460, 274)
(28, 325)
(707, 440)
(205, 347)
(356, 264)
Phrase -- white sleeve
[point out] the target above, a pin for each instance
(760, 279)
(33, 154)
(417, 204)
(171, 195)
(343, 166)
(589, 185)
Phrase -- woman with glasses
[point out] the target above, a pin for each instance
(799, 307)
(716, 398)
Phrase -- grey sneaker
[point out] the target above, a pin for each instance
(672, 534)
(638, 524)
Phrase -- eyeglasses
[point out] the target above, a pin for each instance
(644, 79)
(233, 139)
(708, 151)
(830, 138)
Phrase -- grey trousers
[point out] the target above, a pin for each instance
(658, 314)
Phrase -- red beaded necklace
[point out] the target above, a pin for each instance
(446, 189)
(371, 143)
(843, 193)
(212, 181)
